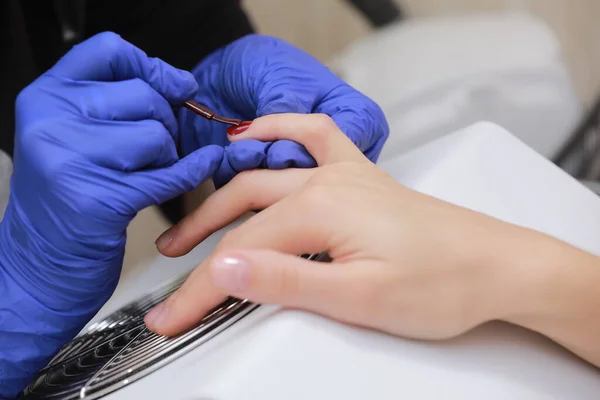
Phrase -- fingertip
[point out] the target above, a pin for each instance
(247, 154)
(186, 307)
(164, 243)
(288, 154)
(214, 154)
(165, 318)
(188, 77)
(175, 241)
(183, 176)
(209, 156)
(174, 84)
(189, 84)
(175, 251)
(202, 164)
(169, 318)
(156, 317)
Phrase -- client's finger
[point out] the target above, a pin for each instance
(248, 191)
(340, 291)
(279, 228)
(317, 132)
(270, 277)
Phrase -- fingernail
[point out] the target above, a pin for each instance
(241, 128)
(165, 239)
(157, 316)
(230, 273)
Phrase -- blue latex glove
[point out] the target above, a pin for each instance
(95, 144)
(259, 75)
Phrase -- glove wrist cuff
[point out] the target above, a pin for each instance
(59, 281)
(43, 306)
(30, 334)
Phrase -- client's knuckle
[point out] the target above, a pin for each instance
(328, 175)
(323, 121)
(316, 197)
(322, 125)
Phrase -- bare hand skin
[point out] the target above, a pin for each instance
(404, 263)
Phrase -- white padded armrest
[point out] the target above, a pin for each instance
(433, 76)
(274, 354)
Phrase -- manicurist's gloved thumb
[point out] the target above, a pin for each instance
(183, 176)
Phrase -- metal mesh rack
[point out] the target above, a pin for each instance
(119, 350)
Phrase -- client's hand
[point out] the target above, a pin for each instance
(403, 262)
(259, 75)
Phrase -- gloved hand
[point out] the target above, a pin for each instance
(95, 144)
(259, 75)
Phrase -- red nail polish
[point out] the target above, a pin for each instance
(241, 128)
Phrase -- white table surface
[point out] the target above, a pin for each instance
(274, 354)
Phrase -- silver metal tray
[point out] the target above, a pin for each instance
(119, 350)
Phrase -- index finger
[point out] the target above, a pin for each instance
(317, 132)
(304, 232)
(106, 57)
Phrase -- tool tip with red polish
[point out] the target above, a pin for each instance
(241, 128)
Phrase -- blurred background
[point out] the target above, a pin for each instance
(533, 66)
(325, 27)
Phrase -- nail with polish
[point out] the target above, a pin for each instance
(231, 274)
(241, 128)
(165, 239)
(157, 316)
